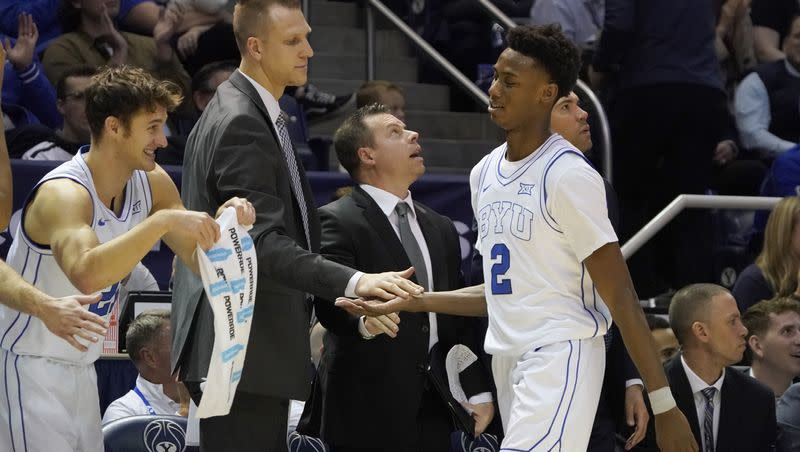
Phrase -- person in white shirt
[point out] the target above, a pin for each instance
(774, 342)
(156, 392)
(726, 409)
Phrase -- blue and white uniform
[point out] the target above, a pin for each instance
(48, 397)
(538, 219)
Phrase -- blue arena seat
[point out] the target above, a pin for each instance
(146, 434)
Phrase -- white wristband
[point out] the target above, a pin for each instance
(661, 400)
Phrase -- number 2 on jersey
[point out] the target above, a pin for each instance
(500, 285)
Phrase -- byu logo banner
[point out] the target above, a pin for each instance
(229, 271)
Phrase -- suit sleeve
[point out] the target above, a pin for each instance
(338, 246)
(770, 426)
(246, 164)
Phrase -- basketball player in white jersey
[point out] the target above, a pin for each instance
(64, 317)
(85, 226)
(554, 272)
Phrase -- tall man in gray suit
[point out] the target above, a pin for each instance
(240, 146)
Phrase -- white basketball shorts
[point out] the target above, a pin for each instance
(548, 396)
(48, 406)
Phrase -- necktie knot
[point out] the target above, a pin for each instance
(401, 209)
(709, 392)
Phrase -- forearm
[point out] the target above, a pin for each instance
(18, 294)
(6, 183)
(628, 315)
(469, 302)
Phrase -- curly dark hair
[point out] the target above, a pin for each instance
(550, 48)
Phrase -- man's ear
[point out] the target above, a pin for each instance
(112, 125)
(254, 48)
(755, 346)
(365, 156)
(549, 94)
(700, 332)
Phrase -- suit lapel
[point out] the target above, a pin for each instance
(728, 412)
(682, 392)
(380, 224)
(239, 81)
(435, 246)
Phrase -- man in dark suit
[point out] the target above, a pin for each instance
(726, 409)
(240, 145)
(376, 228)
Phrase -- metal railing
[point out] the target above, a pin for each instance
(584, 92)
(451, 71)
(693, 202)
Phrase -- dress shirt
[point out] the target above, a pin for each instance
(697, 384)
(387, 203)
(274, 110)
(753, 116)
(580, 20)
(132, 405)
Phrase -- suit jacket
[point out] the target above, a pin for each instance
(369, 391)
(747, 410)
(234, 151)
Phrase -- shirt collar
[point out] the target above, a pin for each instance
(387, 201)
(273, 108)
(696, 383)
(151, 391)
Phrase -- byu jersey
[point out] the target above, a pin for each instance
(538, 219)
(27, 335)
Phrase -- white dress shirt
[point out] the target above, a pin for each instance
(697, 384)
(274, 110)
(131, 404)
(387, 203)
(751, 105)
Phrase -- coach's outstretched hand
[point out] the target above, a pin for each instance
(372, 307)
(673, 433)
(67, 318)
(388, 285)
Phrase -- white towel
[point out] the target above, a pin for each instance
(229, 271)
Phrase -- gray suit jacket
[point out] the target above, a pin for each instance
(234, 151)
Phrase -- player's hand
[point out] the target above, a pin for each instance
(482, 413)
(67, 318)
(673, 433)
(197, 225)
(388, 285)
(21, 54)
(373, 307)
(245, 212)
(636, 415)
(383, 324)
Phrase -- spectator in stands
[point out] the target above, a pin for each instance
(734, 41)
(770, 26)
(678, 74)
(206, 81)
(6, 184)
(788, 414)
(27, 96)
(775, 271)
(666, 343)
(580, 20)
(767, 100)
(156, 392)
(36, 142)
(713, 396)
(96, 41)
(774, 342)
(382, 92)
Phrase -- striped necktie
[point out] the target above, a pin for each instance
(708, 419)
(294, 173)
